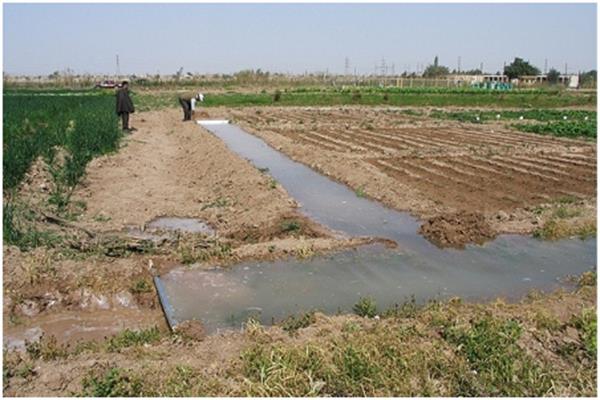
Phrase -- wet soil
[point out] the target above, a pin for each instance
(455, 230)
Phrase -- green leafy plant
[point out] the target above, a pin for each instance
(129, 338)
(114, 383)
(366, 307)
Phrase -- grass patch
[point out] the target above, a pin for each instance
(19, 228)
(220, 202)
(360, 192)
(113, 383)
(140, 286)
(295, 322)
(46, 349)
(502, 367)
(546, 321)
(589, 278)
(382, 361)
(129, 338)
(407, 309)
(290, 226)
(564, 212)
(586, 324)
(556, 228)
(194, 249)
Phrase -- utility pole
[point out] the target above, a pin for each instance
(118, 67)
(459, 64)
(545, 66)
(383, 67)
(566, 68)
(346, 66)
(481, 67)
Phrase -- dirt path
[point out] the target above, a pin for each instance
(171, 168)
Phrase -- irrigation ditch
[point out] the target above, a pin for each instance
(220, 298)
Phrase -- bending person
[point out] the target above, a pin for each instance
(188, 103)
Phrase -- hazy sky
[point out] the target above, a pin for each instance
(151, 38)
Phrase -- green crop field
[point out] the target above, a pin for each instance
(375, 96)
(566, 123)
(39, 125)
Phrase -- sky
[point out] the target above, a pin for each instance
(293, 38)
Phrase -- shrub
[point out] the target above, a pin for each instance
(366, 307)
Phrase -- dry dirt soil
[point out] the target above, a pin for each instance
(468, 182)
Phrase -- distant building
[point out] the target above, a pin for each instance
(571, 80)
(472, 79)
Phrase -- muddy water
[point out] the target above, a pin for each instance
(508, 267)
(73, 326)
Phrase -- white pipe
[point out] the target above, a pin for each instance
(212, 121)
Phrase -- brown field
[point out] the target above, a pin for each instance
(435, 168)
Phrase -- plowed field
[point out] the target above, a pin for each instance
(433, 168)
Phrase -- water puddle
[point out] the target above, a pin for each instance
(509, 266)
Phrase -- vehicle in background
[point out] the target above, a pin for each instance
(107, 84)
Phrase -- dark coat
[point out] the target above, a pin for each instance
(124, 103)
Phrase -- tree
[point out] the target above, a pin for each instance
(588, 79)
(435, 70)
(520, 67)
(553, 76)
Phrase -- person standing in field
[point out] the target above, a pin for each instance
(188, 103)
(124, 105)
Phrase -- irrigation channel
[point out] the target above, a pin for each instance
(509, 266)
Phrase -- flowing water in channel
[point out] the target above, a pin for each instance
(223, 298)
